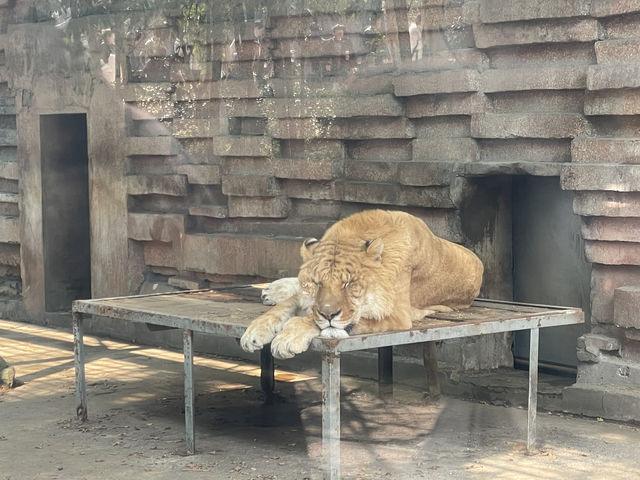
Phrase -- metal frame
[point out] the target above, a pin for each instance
(519, 317)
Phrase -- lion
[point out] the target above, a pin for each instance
(373, 271)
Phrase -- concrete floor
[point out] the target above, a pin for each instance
(135, 427)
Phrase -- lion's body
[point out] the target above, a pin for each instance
(373, 271)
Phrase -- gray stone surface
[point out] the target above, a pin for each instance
(552, 30)
(626, 307)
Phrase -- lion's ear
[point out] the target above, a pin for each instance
(306, 250)
(374, 248)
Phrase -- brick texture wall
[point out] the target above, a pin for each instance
(236, 148)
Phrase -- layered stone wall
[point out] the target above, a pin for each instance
(247, 127)
(10, 280)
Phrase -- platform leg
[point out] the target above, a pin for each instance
(188, 392)
(267, 374)
(385, 372)
(78, 360)
(331, 415)
(533, 388)
(431, 369)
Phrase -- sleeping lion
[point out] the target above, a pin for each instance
(373, 271)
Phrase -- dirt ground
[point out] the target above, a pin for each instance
(136, 425)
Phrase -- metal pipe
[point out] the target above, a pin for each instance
(188, 391)
(78, 360)
(533, 388)
(331, 415)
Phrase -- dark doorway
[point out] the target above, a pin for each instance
(65, 210)
(548, 265)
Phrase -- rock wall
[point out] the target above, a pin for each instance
(248, 126)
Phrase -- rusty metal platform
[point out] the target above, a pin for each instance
(228, 312)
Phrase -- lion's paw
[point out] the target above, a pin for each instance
(256, 336)
(292, 341)
(331, 332)
(280, 290)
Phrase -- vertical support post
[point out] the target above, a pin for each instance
(533, 388)
(188, 391)
(331, 414)
(431, 369)
(385, 372)
(267, 374)
(78, 360)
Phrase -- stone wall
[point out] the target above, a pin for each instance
(10, 281)
(247, 127)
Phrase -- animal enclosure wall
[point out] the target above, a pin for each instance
(222, 133)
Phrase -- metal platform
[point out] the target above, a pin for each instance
(228, 312)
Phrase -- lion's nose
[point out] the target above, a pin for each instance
(329, 313)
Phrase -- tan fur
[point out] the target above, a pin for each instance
(373, 271)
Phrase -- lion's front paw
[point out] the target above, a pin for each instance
(280, 290)
(294, 338)
(256, 336)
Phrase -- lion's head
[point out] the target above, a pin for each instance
(344, 280)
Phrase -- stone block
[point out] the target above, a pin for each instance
(250, 186)
(542, 55)
(538, 169)
(212, 211)
(427, 174)
(606, 150)
(312, 190)
(201, 174)
(603, 77)
(443, 126)
(617, 178)
(171, 185)
(626, 307)
(9, 170)
(141, 92)
(523, 150)
(299, 168)
(612, 253)
(313, 149)
(392, 150)
(365, 85)
(352, 129)
(445, 149)
(437, 82)
(604, 280)
(625, 50)
(151, 110)
(195, 128)
(493, 11)
(242, 255)
(502, 125)
(573, 77)
(537, 101)
(9, 254)
(607, 204)
(9, 230)
(611, 229)
(606, 8)
(270, 207)
(448, 59)
(545, 31)
(386, 194)
(158, 254)
(450, 104)
(164, 145)
(227, 88)
(226, 146)
(371, 171)
(185, 283)
(612, 102)
(147, 227)
(341, 107)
